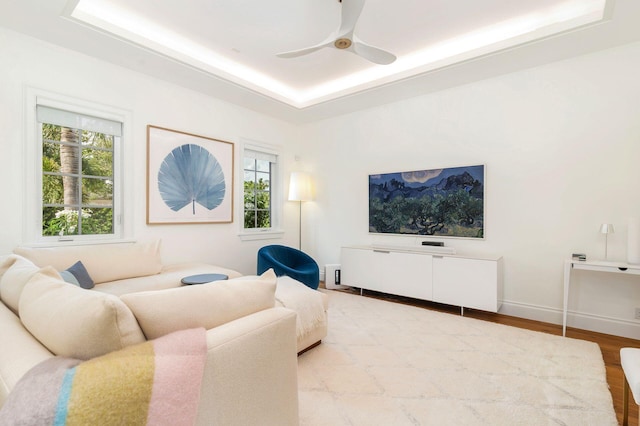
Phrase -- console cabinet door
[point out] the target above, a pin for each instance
(358, 269)
(470, 283)
(406, 274)
(386, 271)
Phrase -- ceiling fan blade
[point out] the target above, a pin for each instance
(373, 54)
(306, 50)
(351, 10)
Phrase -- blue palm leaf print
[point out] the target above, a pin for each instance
(188, 175)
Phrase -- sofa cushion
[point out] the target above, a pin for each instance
(105, 262)
(207, 305)
(19, 351)
(169, 277)
(74, 322)
(77, 274)
(15, 271)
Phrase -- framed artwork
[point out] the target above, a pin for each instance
(189, 178)
(439, 202)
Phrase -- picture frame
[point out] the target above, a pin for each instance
(444, 203)
(189, 178)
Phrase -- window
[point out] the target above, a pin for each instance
(74, 170)
(257, 189)
(260, 190)
(77, 172)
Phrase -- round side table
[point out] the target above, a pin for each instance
(203, 278)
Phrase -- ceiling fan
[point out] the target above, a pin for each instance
(345, 39)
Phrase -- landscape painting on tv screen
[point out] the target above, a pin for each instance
(441, 202)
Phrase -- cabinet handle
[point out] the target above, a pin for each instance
(435, 256)
(382, 251)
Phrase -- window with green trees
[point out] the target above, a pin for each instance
(77, 173)
(258, 185)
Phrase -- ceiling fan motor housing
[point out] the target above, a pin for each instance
(342, 43)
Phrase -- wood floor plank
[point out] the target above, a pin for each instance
(609, 345)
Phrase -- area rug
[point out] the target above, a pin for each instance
(384, 363)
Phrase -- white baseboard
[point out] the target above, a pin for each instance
(597, 323)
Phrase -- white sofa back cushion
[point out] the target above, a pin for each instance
(15, 272)
(74, 322)
(204, 305)
(105, 262)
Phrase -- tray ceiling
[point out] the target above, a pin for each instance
(206, 44)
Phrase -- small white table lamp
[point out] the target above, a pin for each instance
(606, 229)
(300, 189)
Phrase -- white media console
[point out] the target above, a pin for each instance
(468, 282)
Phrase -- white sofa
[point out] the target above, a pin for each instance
(120, 269)
(250, 376)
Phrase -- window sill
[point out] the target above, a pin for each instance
(267, 234)
(53, 242)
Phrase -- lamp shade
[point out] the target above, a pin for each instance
(300, 187)
(606, 228)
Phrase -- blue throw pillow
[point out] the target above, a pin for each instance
(69, 278)
(77, 274)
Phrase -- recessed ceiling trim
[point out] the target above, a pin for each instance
(485, 41)
(121, 23)
(117, 22)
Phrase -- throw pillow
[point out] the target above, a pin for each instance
(68, 277)
(155, 382)
(77, 274)
(75, 323)
(206, 305)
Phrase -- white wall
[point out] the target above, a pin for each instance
(27, 62)
(561, 145)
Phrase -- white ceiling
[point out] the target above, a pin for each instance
(227, 48)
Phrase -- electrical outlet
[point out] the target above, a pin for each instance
(637, 313)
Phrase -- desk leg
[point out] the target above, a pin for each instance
(567, 283)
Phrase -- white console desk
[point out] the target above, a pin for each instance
(591, 265)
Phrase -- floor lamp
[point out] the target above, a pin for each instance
(300, 189)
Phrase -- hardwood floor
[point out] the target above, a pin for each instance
(609, 345)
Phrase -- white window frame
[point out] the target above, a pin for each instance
(275, 231)
(122, 194)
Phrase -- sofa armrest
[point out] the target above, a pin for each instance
(250, 377)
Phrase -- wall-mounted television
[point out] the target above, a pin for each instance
(440, 202)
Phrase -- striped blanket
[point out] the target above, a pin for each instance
(153, 383)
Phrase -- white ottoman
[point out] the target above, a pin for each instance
(630, 360)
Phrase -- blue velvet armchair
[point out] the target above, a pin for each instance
(290, 262)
